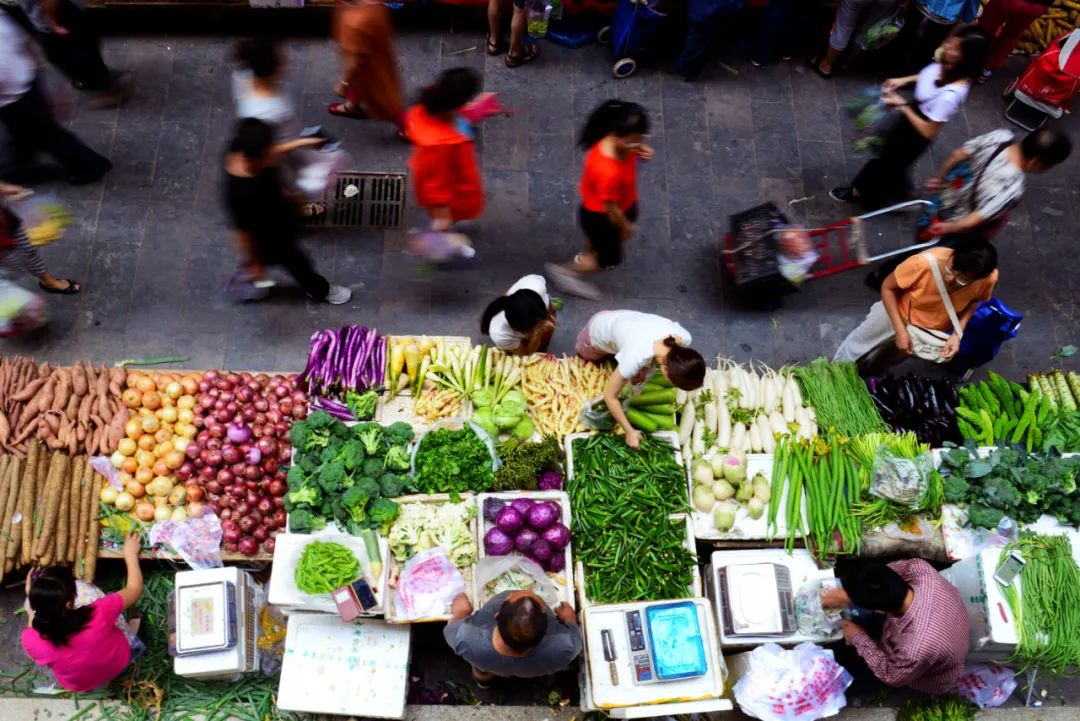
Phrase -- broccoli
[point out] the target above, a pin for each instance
(372, 467)
(362, 406)
(980, 516)
(312, 432)
(956, 489)
(304, 521)
(397, 459)
(392, 485)
(998, 492)
(384, 512)
(305, 495)
(399, 434)
(331, 476)
(352, 454)
(370, 434)
(369, 486)
(353, 502)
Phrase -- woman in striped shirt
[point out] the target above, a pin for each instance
(18, 254)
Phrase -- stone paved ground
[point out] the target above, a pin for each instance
(153, 251)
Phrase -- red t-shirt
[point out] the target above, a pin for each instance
(607, 180)
(93, 656)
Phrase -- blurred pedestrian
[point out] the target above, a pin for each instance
(18, 253)
(369, 77)
(776, 31)
(705, 21)
(266, 220)
(850, 15)
(928, 23)
(912, 305)
(940, 91)
(29, 121)
(445, 173)
(73, 46)
(614, 138)
(519, 51)
(521, 321)
(1005, 21)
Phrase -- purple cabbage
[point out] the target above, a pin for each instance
(557, 535)
(510, 520)
(497, 543)
(542, 515)
(492, 506)
(525, 538)
(549, 481)
(557, 563)
(541, 552)
(522, 505)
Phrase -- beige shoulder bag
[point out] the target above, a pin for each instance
(926, 343)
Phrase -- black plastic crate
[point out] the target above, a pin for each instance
(751, 254)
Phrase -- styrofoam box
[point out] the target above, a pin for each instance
(395, 567)
(745, 528)
(564, 580)
(282, 590)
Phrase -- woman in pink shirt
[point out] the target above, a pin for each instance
(83, 647)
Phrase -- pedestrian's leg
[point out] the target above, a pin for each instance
(770, 31)
(33, 128)
(494, 16)
(85, 66)
(519, 51)
(875, 329)
(296, 262)
(1013, 18)
(695, 50)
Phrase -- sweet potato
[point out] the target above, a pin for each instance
(63, 389)
(82, 416)
(27, 392)
(45, 396)
(71, 410)
(117, 379)
(52, 420)
(116, 427)
(78, 380)
(5, 428)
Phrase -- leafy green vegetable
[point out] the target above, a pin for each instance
(523, 462)
(940, 708)
(453, 461)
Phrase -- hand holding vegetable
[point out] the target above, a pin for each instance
(633, 438)
(461, 608)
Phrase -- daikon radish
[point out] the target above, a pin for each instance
(738, 437)
(788, 401)
(723, 427)
(755, 437)
(777, 424)
(711, 419)
(681, 396)
(768, 443)
(720, 384)
(686, 424)
(697, 440)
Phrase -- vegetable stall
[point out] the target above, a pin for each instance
(392, 473)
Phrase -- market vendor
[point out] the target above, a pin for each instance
(515, 635)
(522, 321)
(83, 645)
(639, 342)
(913, 627)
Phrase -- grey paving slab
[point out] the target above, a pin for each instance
(153, 248)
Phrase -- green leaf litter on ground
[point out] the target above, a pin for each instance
(1066, 351)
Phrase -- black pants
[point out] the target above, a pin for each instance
(33, 129)
(289, 256)
(885, 178)
(77, 54)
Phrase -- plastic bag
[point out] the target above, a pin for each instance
(427, 585)
(801, 684)
(871, 118)
(316, 171)
(986, 685)
(196, 540)
(43, 218)
(880, 33)
(795, 253)
(271, 641)
(20, 310)
(596, 416)
(813, 618)
(491, 567)
(901, 480)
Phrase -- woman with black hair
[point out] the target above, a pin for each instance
(639, 342)
(83, 647)
(940, 91)
(446, 177)
(614, 139)
(522, 321)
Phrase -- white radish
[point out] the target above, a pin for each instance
(681, 396)
(796, 394)
(738, 437)
(720, 385)
(768, 443)
(788, 401)
(723, 427)
(711, 417)
(697, 440)
(755, 437)
(686, 425)
(777, 424)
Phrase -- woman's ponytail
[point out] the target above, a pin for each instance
(51, 596)
(685, 366)
(493, 309)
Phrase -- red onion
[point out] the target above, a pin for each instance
(193, 450)
(248, 546)
(204, 386)
(261, 405)
(269, 465)
(230, 547)
(277, 487)
(217, 431)
(237, 469)
(279, 501)
(261, 534)
(252, 473)
(269, 544)
(211, 375)
(281, 428)
(185, 471)
(285, 406)
(230, 535)
(266, 446)
(230, 454)
(222, 415)
(247, 524)
(265, 505)
(280, 389)
(239, 433)
(207, 473)
(299, 412)
(206, 402)
(252, 497)
(279, 518)
(253, 455)
(248, 413)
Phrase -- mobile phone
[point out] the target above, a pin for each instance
(364, 595)
(1009, 569)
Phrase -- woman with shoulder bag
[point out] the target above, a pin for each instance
(926, 297)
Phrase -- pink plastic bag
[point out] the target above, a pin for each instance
(986, 685)
(427, 586)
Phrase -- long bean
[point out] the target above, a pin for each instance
(842, 404)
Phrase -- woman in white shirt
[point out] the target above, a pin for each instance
(940, 91)
(639, 342)
(522, 321)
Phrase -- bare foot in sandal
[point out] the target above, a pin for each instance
(527, 55)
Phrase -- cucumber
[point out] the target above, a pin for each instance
(652, 398)
(641, 421)
(664, 422)
(658, 379)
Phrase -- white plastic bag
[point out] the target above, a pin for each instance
(986, 685)
(813, 618)
(427, 586)
(904, 481)
(491, 567)
(801, 684)
(196, 540)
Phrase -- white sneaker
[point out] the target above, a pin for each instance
(338, 294)
(569, 282)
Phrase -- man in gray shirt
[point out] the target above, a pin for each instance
(515, 634)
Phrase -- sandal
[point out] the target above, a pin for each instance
(493, 47)
(347, 110)
(311, 210)
(71, 288)
(815, 63)
(530, 53)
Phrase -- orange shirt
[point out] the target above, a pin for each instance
(607, 180)
(443, 165)
(922, 305)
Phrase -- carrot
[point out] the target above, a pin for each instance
(78, 380)
(58, 467)
(29, 390)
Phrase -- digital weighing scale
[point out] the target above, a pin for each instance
(214, 623)
(757, 600)
(665, 642)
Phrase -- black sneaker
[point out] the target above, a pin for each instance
(844, 195)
